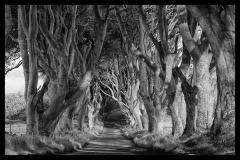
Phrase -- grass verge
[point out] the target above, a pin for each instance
(196, 144)
(63, 142)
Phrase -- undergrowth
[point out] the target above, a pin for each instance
(196, 144)
(63, 142)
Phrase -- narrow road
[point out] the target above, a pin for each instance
(111, 142)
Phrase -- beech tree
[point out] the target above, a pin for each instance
(147, 58)
(202, 86)
(51, 44)
(219, 27)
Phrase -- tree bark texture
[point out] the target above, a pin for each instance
(220, 31)
(178, 111)
(31, 34)
(8, 21)
(24, 55)
(205, 107)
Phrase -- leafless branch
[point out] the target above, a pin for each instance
(72, 54)
(12, 68)
(82, 66)
(52, 19)
(191, 46)
(109, 95)
(65, 31)
(57, 24)
(15, 39)
(73, 22)
(113, 96)
(143, 17)
(45, 66)
(43, 27)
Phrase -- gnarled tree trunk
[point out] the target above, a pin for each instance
(144, 114)
(63, 99)
(31, 34)
(221, 36)
(203, 114)
(90, 117)
(159, 110)
(178, 111)
(205, 106)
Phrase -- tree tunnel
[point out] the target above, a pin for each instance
(101, 63)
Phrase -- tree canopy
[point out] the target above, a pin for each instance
(147, 58)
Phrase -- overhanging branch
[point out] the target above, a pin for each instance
(143, 18)
(43, 27)
(191, 46)
(12, 68)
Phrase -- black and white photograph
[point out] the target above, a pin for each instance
(120, 79)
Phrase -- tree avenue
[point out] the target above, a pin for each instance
(150, 60)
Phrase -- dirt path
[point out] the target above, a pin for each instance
(111, 142)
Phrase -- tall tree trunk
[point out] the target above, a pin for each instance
(205, 105)
(71, 117)
(69, 114)
(60, 98)
(143, 79)
(150, 110)
(147, 99)
(150, 82)
(145, 76)
(64, 99)
(49, 119)
(220, 32)
(224, 118)
(159, 110)
(90, 117)
(159, 116)
(202, 59)
(144, 114)
(132, 120)
(136, 102)
(190, 97)
(79, 108)
(178, 111)
(64, 122)
(58, 105)
(8, 21)
(145, 95)
(31, 34)
(191, 103)
(137, 113)
(82, 115)
(24, 55)
(177, 126)
(96, 113)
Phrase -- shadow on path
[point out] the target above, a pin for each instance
(111, 142)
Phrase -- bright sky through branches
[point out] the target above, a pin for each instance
(14, 81)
